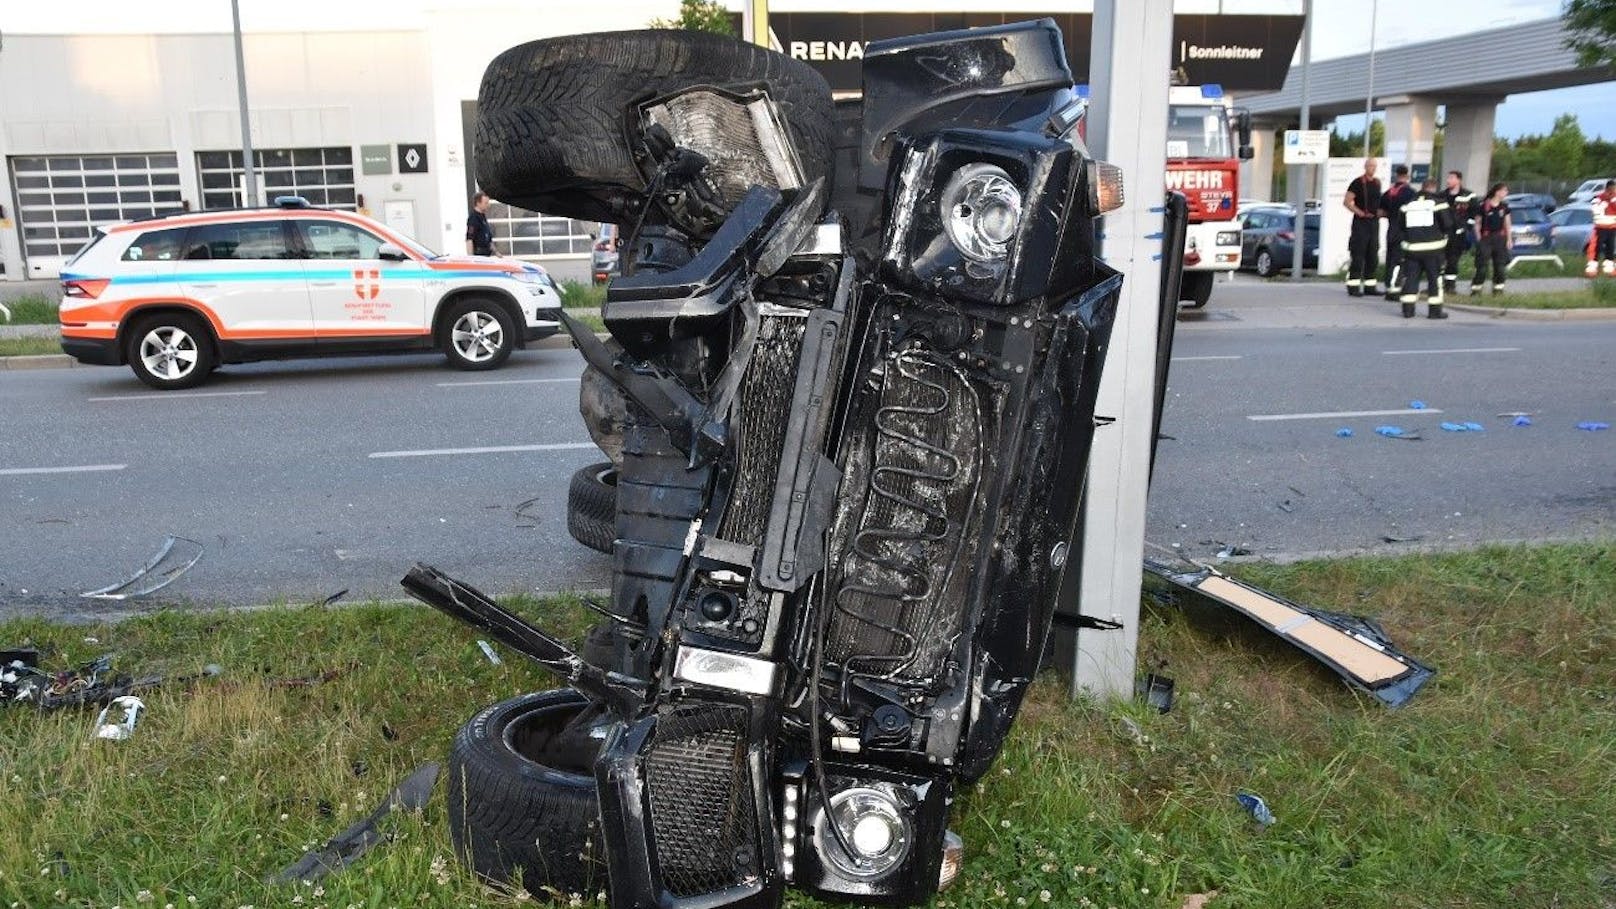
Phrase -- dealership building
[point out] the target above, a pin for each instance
(114, 111)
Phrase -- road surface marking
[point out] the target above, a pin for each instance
(1190, 359)
(169, 395)
(1446, 350)
(493, 449)
(87, 468)
(1340, 413)
(504, 382)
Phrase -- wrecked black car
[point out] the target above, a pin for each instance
(849, 394)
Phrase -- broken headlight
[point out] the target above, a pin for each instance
(980, 210)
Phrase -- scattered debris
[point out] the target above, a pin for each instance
(526, 517)
(1521, 419)
(1463, 427)
(348, 846)
(1517, 413)
(1416, 405)
(1388, 538)
(488, 651)
(333, 598)
(1356, 648)
(1135, 734)
(155, 574)
(22, 681)
(123, 729)
(1593, 426)
(1230, 550)
(1156, 691)
(1257, 807)
(1344, 432)
(1397, 432)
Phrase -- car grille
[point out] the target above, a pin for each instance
(763, 410)
(702, 816)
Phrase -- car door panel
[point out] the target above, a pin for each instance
(246, 278)
(353, 291)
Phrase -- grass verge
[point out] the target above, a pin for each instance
(32, 309)
(583, 301)
(1597, 295)
(23, 347)
(1494, 787)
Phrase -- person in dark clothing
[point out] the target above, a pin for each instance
(1363, 244)
(1391, 203)
(1461, 205)
(1426, 226)
(479, 236)
(1493, 244)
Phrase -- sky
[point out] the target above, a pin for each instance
(1340, 28)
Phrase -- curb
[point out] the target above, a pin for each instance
(63, 361)
(1539, 315)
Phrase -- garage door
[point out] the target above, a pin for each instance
(324, 176)
(529, 235)
(61, 199)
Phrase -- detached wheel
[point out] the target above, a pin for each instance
(592, 506)
(522, 803)
(170, 351)
(553, 116)
(1265, 263)
(1196, 289)
(478, 334)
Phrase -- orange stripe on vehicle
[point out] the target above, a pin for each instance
(472, 266)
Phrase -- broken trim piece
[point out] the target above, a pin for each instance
(129, 589)
(1355, 648)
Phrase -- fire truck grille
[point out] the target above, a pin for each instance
(702, 814)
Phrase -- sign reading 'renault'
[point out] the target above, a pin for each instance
(1241, 53)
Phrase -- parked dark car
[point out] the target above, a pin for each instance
(854, 352)
(1268, 240)
(603, 255)
(1543, 201)
(1530, 231)
(1572, 224)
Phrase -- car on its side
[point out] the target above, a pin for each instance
(178, 295)
(1529, 230)
(1571, 226)
(1268, 239)
(1531, 200)
(1589, 189)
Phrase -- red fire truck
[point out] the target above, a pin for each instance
(1204, 151)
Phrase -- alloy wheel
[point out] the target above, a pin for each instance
(477, 336)
(168, 352)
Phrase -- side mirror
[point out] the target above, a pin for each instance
(390, 253)
(1242, 127)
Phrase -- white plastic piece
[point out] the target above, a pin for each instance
(725, 670)
(117, 732)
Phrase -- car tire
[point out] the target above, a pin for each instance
(592, 506)
(522, 800)
(1196, 289)
(552, 129)
(478, 334)
(170, 351)
(1265, 263)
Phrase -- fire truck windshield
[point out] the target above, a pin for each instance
(1198, 131)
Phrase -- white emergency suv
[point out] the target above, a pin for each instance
(175, 296)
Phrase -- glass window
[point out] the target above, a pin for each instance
(1527, 216)
(331, 240)
(156, 246)
(240, 240)
(1197, 131)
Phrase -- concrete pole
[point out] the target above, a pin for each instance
(251, 176)
(1132, 56)
(1295, 179)
(1369, 99)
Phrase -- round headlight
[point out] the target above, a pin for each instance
(875, 827)
(981, 209)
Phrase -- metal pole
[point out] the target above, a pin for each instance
(1300, 242)
(251, 177)
(1369, 99)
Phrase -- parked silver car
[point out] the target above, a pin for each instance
(1572, 225)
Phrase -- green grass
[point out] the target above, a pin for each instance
(1570, 267)
(1598, 295)
(31, 309)
(583, 301)
(22, 347)
(1494, 787)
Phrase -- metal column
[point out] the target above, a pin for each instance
(251, 176)
(1132, 57)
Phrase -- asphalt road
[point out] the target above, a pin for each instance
(305, 478)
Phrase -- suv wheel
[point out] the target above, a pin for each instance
(478, 334)
(170, 351)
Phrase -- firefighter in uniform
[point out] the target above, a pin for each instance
(1363, 244)
(1391, 203)
(1602, 239)
(1426, 227)
(1460, 203)
(1493, 245)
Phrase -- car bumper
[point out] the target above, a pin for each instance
(545, 322)
(94, 351)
